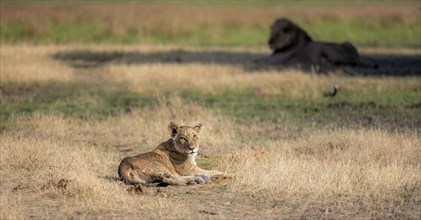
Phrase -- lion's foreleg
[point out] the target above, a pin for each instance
(209, 173)
(183, 180)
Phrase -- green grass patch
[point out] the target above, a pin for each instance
(394, 35)
(391, 109)
(386, 30)
(70, 100)
(54, 32)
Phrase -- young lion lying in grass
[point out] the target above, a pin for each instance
(172, 162)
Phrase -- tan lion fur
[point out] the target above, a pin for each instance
(172, 162)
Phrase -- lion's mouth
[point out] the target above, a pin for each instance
(191, 152)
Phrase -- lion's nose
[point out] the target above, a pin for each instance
(191, 147)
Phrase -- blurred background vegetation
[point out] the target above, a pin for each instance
(208, 23)
(387, 25)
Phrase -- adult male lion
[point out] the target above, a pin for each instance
(172, 162)
(292, 45)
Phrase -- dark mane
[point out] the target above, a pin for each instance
(300, 40)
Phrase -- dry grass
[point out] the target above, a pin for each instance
(340, 173)
(346, 173)
(215, 79)
(43, 148)
(356, 169)
(28, 64)
(198, 74)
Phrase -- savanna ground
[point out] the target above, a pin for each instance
(71, 110)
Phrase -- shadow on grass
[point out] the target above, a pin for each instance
(389, 64)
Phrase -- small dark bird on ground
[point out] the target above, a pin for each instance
(332, 92)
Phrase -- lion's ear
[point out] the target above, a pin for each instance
(197, 127)
(173, 128)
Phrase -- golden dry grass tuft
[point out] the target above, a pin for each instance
(333, 164)
(27, 64)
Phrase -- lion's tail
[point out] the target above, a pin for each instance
(127, 174)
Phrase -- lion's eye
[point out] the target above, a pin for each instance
(194, 137)
(183, 140)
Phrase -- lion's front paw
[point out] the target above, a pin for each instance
(203, 176)
(198, 180)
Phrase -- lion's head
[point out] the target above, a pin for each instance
(285, 35)
(186, 139)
